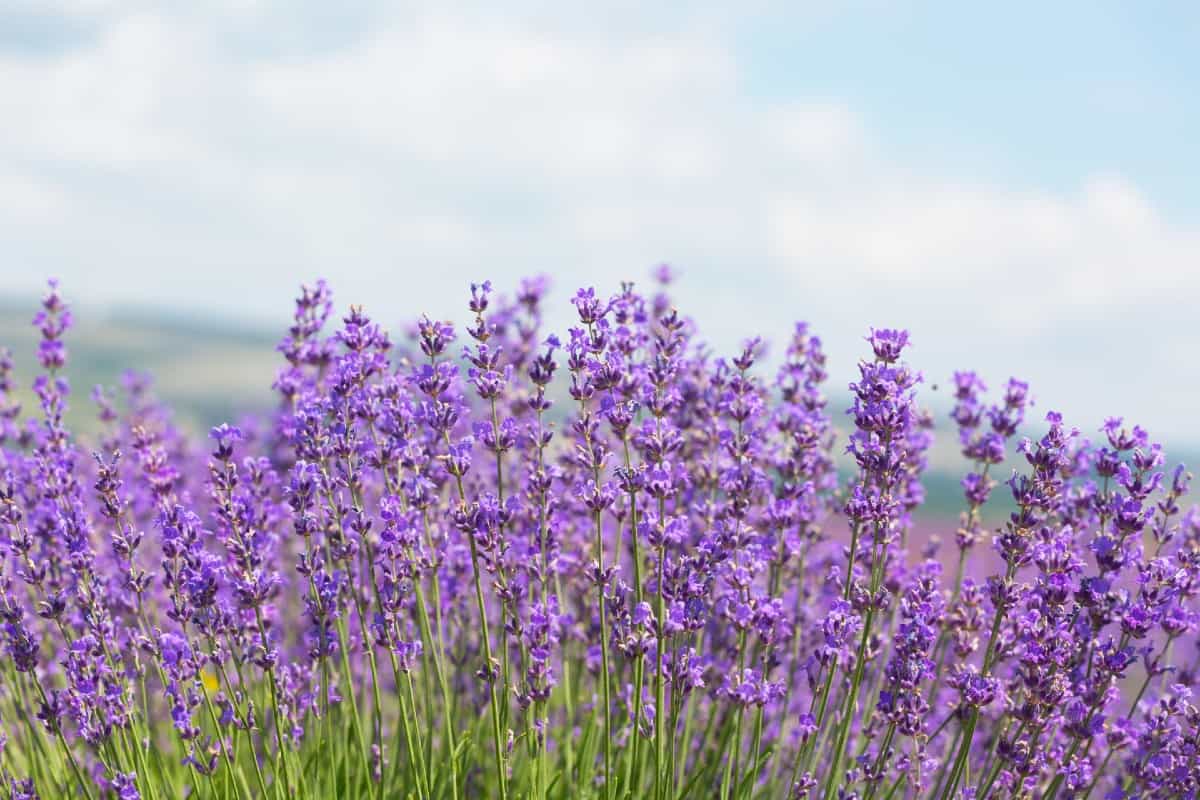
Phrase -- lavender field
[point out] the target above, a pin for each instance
(491, 560)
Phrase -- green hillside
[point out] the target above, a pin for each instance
(206, 371)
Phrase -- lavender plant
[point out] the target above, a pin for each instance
(489, 561)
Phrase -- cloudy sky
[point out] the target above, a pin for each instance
(1020, 187)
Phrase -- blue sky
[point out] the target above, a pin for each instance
(1017, 184)
(1040, 94)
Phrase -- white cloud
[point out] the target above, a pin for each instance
(173, 157)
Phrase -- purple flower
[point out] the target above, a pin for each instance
(888, 343)
(125, 786)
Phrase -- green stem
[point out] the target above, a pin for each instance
(62, 740)
(731, 761)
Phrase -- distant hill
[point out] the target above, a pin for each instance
(207, 371)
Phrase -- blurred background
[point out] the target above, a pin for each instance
(1015, 184)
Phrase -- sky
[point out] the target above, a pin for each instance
(1018, 184)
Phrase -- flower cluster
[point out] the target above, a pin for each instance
(486, 560)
